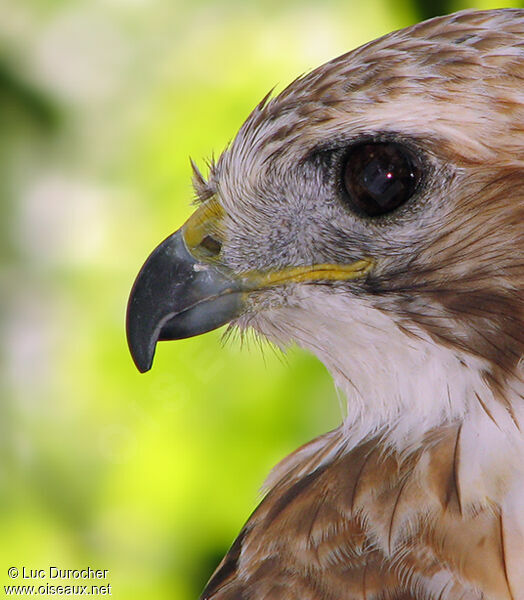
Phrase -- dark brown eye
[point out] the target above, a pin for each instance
(379, 177)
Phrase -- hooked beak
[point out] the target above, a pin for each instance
(175, 296)
(183, 289)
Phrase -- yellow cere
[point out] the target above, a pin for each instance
(206, 221)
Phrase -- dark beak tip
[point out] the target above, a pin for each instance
(140, 344)
(143, 367)
(142, 358)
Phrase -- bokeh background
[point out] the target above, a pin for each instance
(101, 104)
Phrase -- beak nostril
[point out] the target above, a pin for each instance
(211, 245)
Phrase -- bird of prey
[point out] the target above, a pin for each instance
(372, 214)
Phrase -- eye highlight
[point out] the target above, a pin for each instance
(379, 177)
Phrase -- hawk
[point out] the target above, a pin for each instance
(372, 214)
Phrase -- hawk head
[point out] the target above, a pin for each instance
(372, 213)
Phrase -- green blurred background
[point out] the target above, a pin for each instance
(101, 104)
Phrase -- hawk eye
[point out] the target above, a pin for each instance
(379, 177)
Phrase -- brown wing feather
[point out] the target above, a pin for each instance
(366, 524)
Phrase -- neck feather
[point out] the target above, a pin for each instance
(401, 385)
